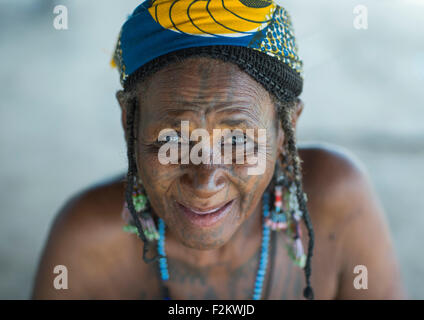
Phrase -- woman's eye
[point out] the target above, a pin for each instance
(236, 140)
(168, 139)
(174, 139)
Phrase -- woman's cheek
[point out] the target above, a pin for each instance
(148, 154)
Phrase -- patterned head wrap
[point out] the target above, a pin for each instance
(257, 35)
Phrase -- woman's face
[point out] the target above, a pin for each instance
(204, 204)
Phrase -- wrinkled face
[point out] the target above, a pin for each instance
(204, 204)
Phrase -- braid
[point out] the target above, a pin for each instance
(285, 114)
(132, 175)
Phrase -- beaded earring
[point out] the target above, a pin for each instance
(286, 215)
(278, 218)
(142, 207)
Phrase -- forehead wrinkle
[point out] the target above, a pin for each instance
(188, 86)
(175, 90)
(178, 105)
(176, 111)
(251, 112)
(172, 118)
(242, 124)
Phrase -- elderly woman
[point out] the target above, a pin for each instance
(225, 204)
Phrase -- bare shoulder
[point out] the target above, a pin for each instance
(86, 237)
(333, 177)
(91, 214)
(101, 202)
(350, 224)
(339, 191)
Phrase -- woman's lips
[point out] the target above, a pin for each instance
(205, 217)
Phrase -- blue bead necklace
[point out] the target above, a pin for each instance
(263, 263)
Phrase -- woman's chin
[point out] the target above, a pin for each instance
(204, 238)
(204, 244)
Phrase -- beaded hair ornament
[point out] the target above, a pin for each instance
(284, 216)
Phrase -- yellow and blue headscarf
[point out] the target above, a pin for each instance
(218, 28)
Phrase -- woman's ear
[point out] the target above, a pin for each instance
(280, 138)
(297, 112)
(120, 96)
(295, 116)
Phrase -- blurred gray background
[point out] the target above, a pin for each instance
(60, 124)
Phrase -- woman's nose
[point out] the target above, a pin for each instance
(204, 180)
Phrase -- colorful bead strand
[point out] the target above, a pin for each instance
(163, 263)
(263, 263)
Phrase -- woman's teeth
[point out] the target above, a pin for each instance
(206, 212)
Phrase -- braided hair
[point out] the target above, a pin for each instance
(285, 109)
(285, 113)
